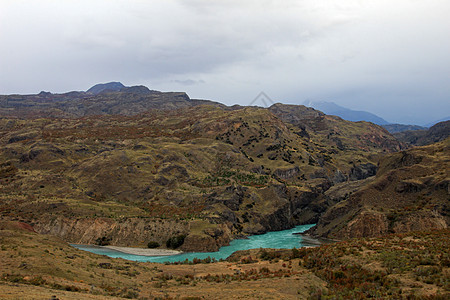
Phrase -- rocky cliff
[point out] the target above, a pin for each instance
(121, 232)
(410, 193)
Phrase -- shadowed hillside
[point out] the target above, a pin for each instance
(434, 134)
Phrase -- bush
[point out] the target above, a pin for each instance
(103, 241)
(175, 241)
(153, 244)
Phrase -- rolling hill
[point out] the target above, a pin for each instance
(175, 166)
(131, 166)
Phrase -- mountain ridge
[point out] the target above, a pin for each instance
(436, 133)
(331, 108)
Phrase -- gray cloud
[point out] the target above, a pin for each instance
(189, 82)
(390, 57)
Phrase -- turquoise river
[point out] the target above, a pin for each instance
(276, 239)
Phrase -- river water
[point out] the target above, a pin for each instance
(276, 239)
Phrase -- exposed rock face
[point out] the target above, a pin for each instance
(362, 171)
(410, 193)
(288, 173)
(371, 223)
(126, 232)
(234, 196)
(199, 243)
(209, 241)
(297, 208)
(365, 224)
(339, 176)
(343, 190)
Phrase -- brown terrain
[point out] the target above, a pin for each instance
(413, 266)
(129, 166)
(410, 192)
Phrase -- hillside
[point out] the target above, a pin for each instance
(395, 128)
(434, 134)
(129, 166)
(437, 121)
(414, 266)
(410, 192)
(208, 172)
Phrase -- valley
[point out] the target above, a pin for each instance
(134, 167)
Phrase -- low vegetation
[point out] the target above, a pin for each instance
(409, 266)
(159, 170)
(80, 177)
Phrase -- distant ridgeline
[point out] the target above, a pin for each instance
(434, 134)
(331, 108)
(102, 99)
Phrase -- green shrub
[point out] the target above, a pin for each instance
(103, 241)
(175, 241)
(153, 244)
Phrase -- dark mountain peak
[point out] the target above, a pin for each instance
(137, 89)
(300, 111)
(45, 94)
(101, 87)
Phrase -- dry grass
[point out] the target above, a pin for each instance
(41, 266)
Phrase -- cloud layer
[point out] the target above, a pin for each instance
(389, 57)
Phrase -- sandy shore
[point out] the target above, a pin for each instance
(144, 251)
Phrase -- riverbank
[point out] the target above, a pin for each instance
(119, 250)
(144, 251)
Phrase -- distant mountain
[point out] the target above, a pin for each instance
(438, 121)
(101, 87)
(102, 99)
(331, 108)
(436, 133)
(394, 128)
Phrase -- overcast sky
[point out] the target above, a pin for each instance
(391, 58)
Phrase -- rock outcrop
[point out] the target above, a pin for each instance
(410, 193)
(124, 232)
